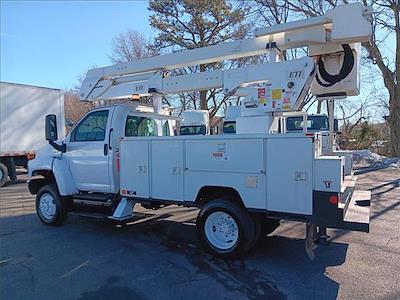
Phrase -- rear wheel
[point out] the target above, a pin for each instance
(224, 229)
(3, 174)
(49, 206)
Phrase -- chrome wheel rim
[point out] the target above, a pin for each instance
(47, 206)
(221, 230)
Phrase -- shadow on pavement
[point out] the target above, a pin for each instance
(276, 269)
(277, 266)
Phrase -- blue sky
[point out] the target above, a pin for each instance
(50, 43)
(53, 43)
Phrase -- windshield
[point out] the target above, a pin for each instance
(142, 126)
(191, 130)
(229, 127)
(314, 123)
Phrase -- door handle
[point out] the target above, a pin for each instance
(105, 149)
(109, 138)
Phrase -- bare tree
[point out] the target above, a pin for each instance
(272, 12)
(74, 108)
(384, 53)
(130, 45)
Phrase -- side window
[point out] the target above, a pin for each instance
(92, 128)
(140, 126)
(165, 128)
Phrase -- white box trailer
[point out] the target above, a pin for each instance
(23, 109)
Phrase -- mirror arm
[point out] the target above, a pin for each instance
(62, 147)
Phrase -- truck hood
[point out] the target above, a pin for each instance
(43, 160)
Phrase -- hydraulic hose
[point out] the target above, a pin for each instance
(347, 66)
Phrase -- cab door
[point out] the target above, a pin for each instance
(88, 152)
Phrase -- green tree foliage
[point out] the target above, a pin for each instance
(190, 24)
(365, 135)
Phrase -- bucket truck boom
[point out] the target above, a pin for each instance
(323, 35)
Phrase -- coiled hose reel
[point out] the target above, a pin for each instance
(347, 66)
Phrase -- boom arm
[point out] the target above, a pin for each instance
(344, 24)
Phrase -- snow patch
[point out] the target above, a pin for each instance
(367, 158)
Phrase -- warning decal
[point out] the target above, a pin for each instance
(261, 96)
(276, 94)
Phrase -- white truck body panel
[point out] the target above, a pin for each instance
(167, 167)
(23, 109)
(329, 173)
(226, 162)
(135, 168)
(254, 124)
(290, 175)
(273, 172)
(348, 160)
(233, 112)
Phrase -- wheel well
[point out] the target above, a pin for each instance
(36, 183)
(208, 193)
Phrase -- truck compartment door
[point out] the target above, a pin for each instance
(290, 175)
(134, 180)
(167, 169)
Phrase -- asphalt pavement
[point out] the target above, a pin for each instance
(157, 256)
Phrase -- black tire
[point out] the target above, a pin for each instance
(244, 222)
(258, 227)
(3, 174)
(60, 211)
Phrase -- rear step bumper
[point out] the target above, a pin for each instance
(356, 215)
(352, 214)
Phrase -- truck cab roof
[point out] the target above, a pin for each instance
(138, 110)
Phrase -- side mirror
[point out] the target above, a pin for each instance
(335, 125)
(51, 128)
(51, 133)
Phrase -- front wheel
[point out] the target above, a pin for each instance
(224, 229)
(49, 206)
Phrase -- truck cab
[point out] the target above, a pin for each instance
(91, 154)
(195, 122)
(314, 123)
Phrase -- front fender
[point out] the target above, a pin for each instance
(62, 174)
(49, 161)
(43, 161)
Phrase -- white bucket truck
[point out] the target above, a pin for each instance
(243, 184)
(195, 122)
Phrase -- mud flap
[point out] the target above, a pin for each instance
(311, 233)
